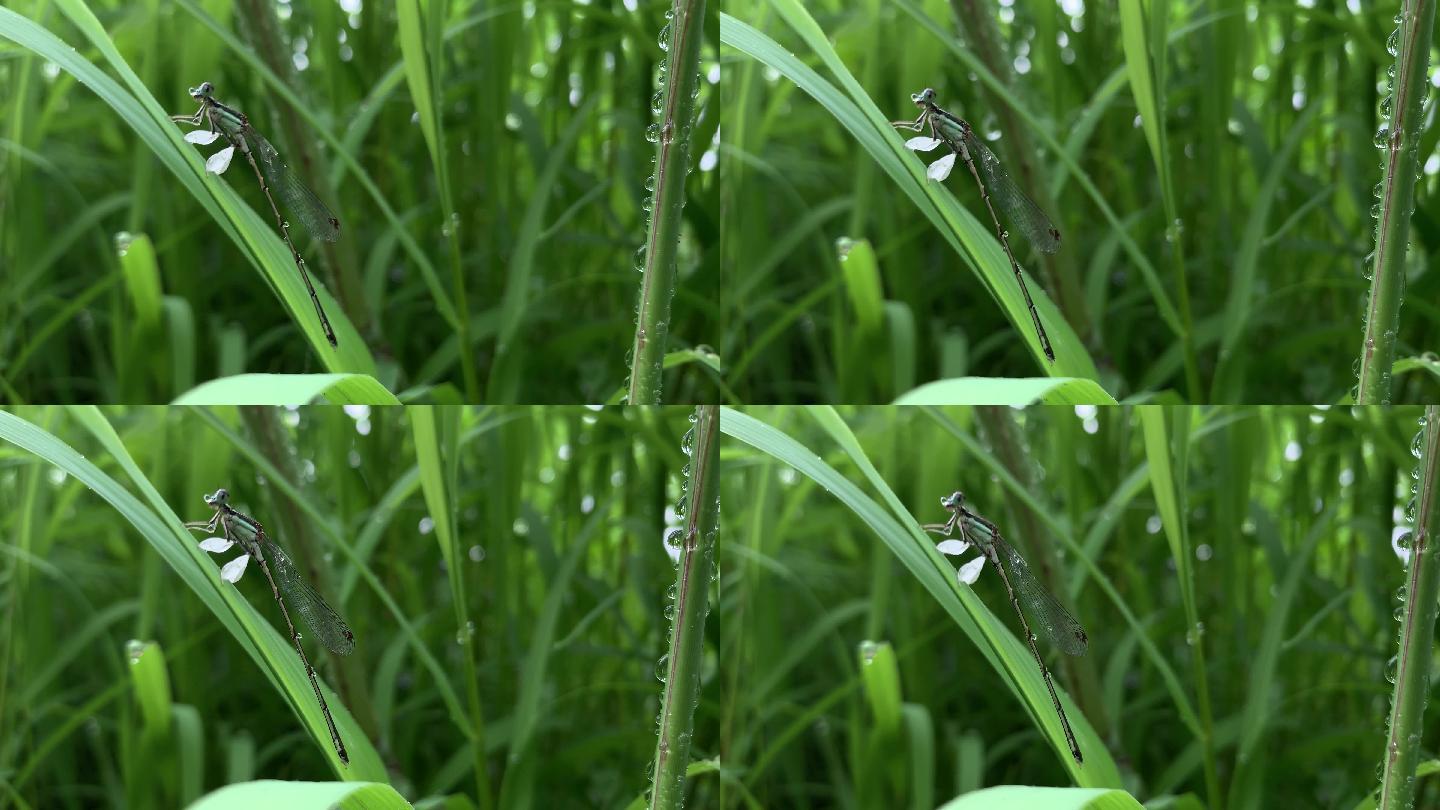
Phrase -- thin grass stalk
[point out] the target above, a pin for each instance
(1147, 46)
(1417, 628)
(700, 500)
(1399, 140)
(420, 41)
(436, 429)
(679, 84)
(1167, 447)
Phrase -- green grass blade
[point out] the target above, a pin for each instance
(1017, 391)
(289, 389)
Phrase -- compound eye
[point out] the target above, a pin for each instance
(929, 94)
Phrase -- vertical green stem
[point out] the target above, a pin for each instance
(1167, 449)
(1398, 138)
(421, 43)
(437, 429)
(679, 85)
(694, 574)
(1417, 627)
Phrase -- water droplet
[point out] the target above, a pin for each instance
(665, 38)
(464, 634)
(652, 133)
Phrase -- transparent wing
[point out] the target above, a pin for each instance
(299, 200)
(325, 622)
(1054, 620)
(1022, 212)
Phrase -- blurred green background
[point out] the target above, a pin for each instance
(487, 162)
(509, 661)
(1217, 257)
(1235, 569)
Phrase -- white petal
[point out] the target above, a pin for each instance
(922, 143)
(953, 548)
(969, 572)
(940, 169)
(232, 570)
(216, 545)
(220, 161)
(204, 137)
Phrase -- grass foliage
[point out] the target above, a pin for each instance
(1234, 569)
(1211, 168)
(500, 661)
(488, 164)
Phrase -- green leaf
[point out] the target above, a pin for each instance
(289, 389)
(1008, 797)
(303, 795)
(1017, 391)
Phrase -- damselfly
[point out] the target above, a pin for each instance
(272, 173)
(1054, 620)
(956, 134)
(241, 529)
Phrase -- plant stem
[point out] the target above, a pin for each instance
(694, 573)
(1417, 627)
(679, 85)
(1398, 138)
